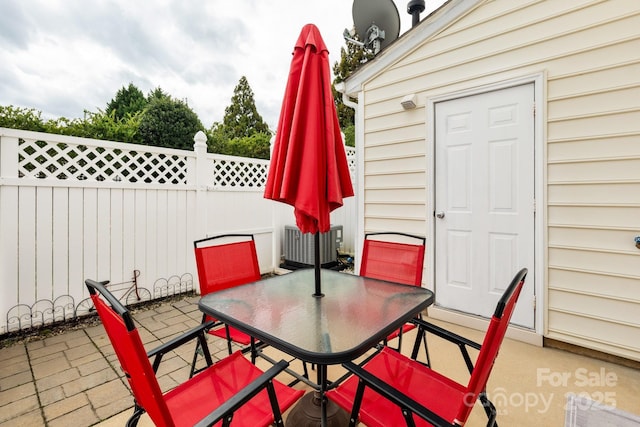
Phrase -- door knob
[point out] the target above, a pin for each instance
(440, 214)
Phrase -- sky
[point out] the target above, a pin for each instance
(63, 57)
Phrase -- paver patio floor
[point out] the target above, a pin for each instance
(73, 378)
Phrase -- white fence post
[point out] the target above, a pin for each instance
(201, 179)
(276, 239)
(8, 156)
(8, 224)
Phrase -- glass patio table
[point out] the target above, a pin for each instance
(354, 315)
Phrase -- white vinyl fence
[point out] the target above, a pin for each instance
(76, 208)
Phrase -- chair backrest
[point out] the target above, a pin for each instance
(226, 261)
(491, 344)
(395, 261)
(127, 344)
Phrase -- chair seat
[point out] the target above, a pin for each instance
(408, 376)
(236, 335)
(191, 401)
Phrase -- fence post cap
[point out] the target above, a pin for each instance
(200, 139)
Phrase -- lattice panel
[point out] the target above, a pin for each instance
(351, 161)
(239, 174)
(40, 159)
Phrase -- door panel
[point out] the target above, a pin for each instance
(484, 200)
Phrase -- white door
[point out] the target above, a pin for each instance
(484, 200)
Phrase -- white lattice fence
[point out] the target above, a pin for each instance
(99, 161)
(351, 159)
(234, 172)
(75, 208)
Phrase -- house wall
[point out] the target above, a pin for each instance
(589, 55)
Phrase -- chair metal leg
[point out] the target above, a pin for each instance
(198, 351)
(400, 333)
(426, 350)
(226, 327)
(421, 337)
(137, 413)
(254, 352)
(275, 408)
(357, 401)
(489, 409)
(195, 358)
(408, 417)
(202, 349)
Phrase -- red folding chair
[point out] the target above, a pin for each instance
(223, 262)
(394, 261)
(390, 389)
(231, 388)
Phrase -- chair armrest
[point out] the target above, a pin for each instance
(236, 401)
(445, 334)
(395, 396)
(179, 340)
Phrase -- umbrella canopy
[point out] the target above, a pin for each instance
(309, 167)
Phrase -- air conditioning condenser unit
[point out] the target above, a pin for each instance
(299, 248)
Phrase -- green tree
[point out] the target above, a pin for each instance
(127, 102)
(169, 123)
(351, 58)
(21, 118)
(242, 132)
(255, 146)
(157, 93)
(216, 139)
(99, 125)
(241, 118)
(349, 135)
(157, 120)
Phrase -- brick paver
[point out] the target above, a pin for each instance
(20, 378)
(84, 416)
(17, 393)
(18, 407)
(65, 406)
(47, 368)
(47, 397)
(74, 378)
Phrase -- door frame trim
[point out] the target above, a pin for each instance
(540, 232)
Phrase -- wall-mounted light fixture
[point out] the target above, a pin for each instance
(409, 101)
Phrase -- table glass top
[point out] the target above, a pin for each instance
(354, 314)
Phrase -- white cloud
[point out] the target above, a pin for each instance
(62, 57)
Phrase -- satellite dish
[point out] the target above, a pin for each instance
(377, 23)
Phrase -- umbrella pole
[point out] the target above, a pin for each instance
(316, 264)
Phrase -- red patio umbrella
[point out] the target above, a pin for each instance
(309, 167)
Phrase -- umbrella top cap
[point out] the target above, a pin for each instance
(310, 36)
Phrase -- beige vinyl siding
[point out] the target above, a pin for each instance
(394, 173)
(589, 52)
(594, 147)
